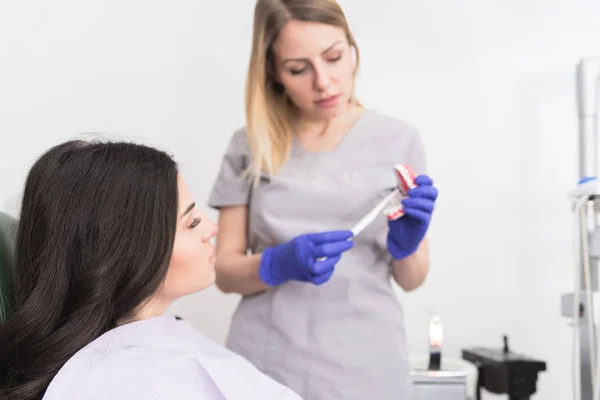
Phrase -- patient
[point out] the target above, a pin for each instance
(108, 238)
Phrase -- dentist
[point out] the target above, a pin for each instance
(308, 164)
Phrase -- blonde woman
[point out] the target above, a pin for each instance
(318, 313)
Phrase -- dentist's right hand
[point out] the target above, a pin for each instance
(297, 259)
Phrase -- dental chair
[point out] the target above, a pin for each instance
(8, 231)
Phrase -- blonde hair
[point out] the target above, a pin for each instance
(268, 111)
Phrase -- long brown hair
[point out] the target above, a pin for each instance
(94, 241)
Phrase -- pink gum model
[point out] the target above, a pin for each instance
(406, 178)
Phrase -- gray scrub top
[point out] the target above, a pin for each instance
(346, 338)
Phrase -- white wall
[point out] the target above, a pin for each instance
(490, 84)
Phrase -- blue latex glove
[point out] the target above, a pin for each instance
(297, 259)
(407, 232)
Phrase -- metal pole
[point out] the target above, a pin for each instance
(588, 85)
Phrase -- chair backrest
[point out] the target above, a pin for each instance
(8, 232)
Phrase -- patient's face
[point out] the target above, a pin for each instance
(192, 263)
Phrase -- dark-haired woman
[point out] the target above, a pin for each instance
(108, 238)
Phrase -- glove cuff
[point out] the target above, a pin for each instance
(399, 252)
(266, 272)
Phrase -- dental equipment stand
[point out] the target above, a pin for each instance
(583, 306)
(501, 371)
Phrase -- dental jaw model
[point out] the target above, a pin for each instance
(406, 179)
(391, 204)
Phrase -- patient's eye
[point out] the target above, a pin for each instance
(195, 223)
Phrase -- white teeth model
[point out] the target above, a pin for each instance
(406, 179)
(395, 209)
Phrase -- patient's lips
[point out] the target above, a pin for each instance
(406, 181)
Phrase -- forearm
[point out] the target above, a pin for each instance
(410, 272)
(238, 273)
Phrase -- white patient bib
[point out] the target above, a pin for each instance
(161, 358)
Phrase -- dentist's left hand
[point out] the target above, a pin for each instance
(406, 233)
